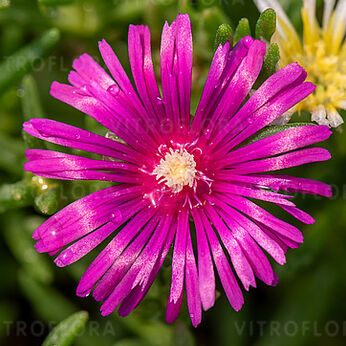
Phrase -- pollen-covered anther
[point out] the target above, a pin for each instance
(176, 169)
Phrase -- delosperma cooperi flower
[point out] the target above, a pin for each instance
(174, 169)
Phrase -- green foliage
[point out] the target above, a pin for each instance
(66, 331)
(12, 155)
(32, 108)
(266, 24)
(55, 2)
(272, 130)
(270, 60)
(21, 62)
(17, 233)
(31, 103)
(207, 24)
(242, 30)
(16, 195)
(47, 302)
(223, 34)
(48, 201)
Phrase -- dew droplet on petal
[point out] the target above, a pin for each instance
(52, 232)
(44, 134)
(113, 90)
(116, 216)
(160, 100)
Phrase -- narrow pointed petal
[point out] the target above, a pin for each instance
(138, 293)
(147, 260)
(227, 278)
(236, 131)
(178, 261)
(111, 252)
(143, 71)
(259, 214)
(124, 262)
(280, 182)
(57, 165)
(176, 69)
(206, 277)
(287, 140)
(239, 86)
(73, 137)
(223, 66)
(293, 159)
(238, 258)
(192, 286)
(255, 255)
(254, 193)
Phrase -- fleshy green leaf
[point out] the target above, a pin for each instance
(242, 29)
(272, 130)
(21, 62)
(223, 34)
(32, 108)
(12, 39)
(127, 11)
(130, 342)
(66, 331)
(266, 24)
(269, 64)
(12, 155)
(55, 2)
(8, 313)
(155, 333)
(16, 195)
(31, 104)
(271, 59)
(48, 202)
(17, 232)
(47, 301)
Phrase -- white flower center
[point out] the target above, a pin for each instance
(176, 169)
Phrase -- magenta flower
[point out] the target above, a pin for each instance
(174, 169)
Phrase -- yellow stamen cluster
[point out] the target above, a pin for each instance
(176, 169)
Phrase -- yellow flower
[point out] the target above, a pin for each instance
(322, 53)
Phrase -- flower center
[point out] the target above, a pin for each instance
(176, 169)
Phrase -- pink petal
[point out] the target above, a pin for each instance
(179, 254)
(74, 137)
(192, 285)
(138, 293)
(206, 276)
(176, 69)
(239, 86)
(292, 159)
(110, 253)
(254, 254)
(56, 165)
(143, 71)
(223, 66)
(124, 262)
(227, 278)
(259, 214)
(238, 258)
(282, 142)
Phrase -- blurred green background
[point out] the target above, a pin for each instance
(38, 41)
